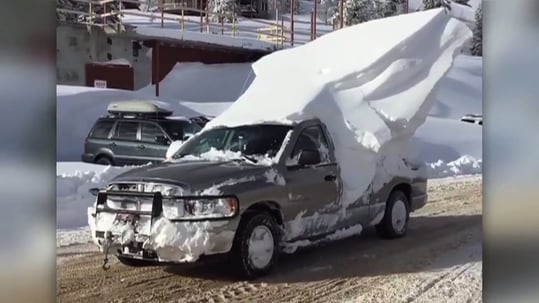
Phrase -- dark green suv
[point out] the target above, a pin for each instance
(127, 138)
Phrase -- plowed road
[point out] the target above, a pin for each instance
(438, 261)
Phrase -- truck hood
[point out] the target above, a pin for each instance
(194, 175)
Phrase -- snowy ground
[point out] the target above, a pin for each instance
(438, 261)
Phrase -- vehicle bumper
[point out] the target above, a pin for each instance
(157, 239)
(88, 158)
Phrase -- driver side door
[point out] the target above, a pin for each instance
(313, 190)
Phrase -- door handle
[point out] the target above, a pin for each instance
(330, 177)
(141, 146)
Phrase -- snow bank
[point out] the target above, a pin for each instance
(73, 180)
(200, 82)
(372, 99)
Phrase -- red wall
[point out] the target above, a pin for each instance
(170, 54)
(117, 76)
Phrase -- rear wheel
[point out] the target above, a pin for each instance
(256, 245)
(103, 160)
(396, 216)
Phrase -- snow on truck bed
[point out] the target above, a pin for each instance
(372, 85)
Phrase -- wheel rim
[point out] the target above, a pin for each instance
(398, 216)
(261, 247)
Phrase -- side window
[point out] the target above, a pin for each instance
(148, 132)
(312, 138)
(126, 130)
(191, 129)
(102, 129)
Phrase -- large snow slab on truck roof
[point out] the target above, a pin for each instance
(372, 84)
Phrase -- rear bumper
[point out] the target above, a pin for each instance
(88, 158)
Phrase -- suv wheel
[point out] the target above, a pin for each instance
(103, 160)
(256, 245)
(396, 216)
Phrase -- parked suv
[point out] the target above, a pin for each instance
(136, 132)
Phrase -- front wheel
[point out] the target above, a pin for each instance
(256, 246)
(396, 216)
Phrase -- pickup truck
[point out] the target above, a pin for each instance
(261, 188)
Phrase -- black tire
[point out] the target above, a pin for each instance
(241, 263)
(134, 262)
(386, 228)
(103, 160)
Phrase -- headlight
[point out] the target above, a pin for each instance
(199, 209)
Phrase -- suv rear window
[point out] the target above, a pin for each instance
(102, 129)
(126, 130)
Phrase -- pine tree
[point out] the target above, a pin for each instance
(358, 11)
(477, 40)
(286, 6)
(429, 4)
(228, 8)
(393, 7)
(330, 9)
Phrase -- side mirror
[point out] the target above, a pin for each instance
(94, 191)
(309, 157)
(162, 140)
(186, 137)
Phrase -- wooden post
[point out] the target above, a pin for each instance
(341, 13)
(156, 57)
(183, 20)
(222, 26)
(282, 32)
(201, 19)
(292, 21)
(312, 25)
(315, 18)
(406, 6)
(162, 13)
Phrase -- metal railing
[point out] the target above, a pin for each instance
(272, 31)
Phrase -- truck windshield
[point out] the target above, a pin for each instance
(251, 140)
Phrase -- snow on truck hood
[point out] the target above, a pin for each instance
(372, 85)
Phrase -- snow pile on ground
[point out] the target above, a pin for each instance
(382, 93)
(73, 180)
(198, 82)
(447, 145)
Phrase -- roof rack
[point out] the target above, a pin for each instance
(137, 109)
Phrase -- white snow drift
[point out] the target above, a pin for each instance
(372, 95)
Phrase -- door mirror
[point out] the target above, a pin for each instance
(186, 137)
(162, 140)
(309, 157)
(94, 191)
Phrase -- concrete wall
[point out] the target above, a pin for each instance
(76, 46)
